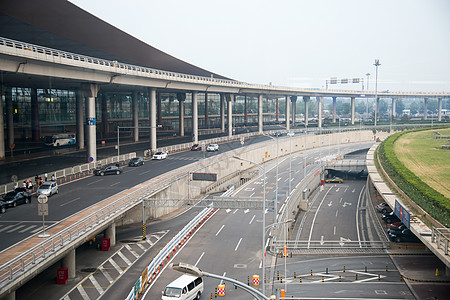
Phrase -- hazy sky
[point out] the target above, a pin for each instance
(298, 43)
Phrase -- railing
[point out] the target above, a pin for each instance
(23, 49)
(441, 236)
(297, 245)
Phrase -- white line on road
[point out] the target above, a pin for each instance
(235, 211)
(95, 182)
(336, 213)
(251, 220)
(115, 183)
(106, 274)
(198, 260)
(315, 215)
(237, 246)
(116, 266)
(145, 172)
(83, 293)
(96, 285)
(28, 228)
(15, 228)
(334, 230)
(252, 194)
(123, 257)
(220, 230)
(77, 198)
(224, 273)
(132, 251)
(7, 227)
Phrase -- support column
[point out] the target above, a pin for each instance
(334, 109)
(9, 115)
(230, 115)
(195, 117)
(377, 110)
(439, 109)
(393, 108)
(2, 126)
(10, 296)
(69, 262)
(260, 114)
(80, 127)
(352, 103)
(245, 110)
(35, 129)
(152, 115)
(288, 114)
(104, 115)
(222, 112)
(425, 111)
(181, 98)
(294, 109)
(90, 93)
(110, 233)
(158, 103)
(277, 109)
(206, 110)
(306, 100)
(136, 115)
(319, 111)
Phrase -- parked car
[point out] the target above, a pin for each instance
(136, 162)
(334, 180)
(47, 188)
(159, 155)
(397, 229)
(384, 208)
(403, 236)
(108, 171)
(390, 217)
(18, 196)
(3, 206)
(290, 134)
(196, 147)
(395, 224)
(212, 148)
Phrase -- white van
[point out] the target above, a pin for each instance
(186, 287)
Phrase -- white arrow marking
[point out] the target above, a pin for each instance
(331, 203)
(353, 190)
(246, 211)
(337, 190)
(343, 240)
(228, 210)
(321, 240)
(346, 204)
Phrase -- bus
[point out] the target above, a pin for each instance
(58, 140)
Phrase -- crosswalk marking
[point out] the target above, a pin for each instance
(6, 227)
(106, 274)
(28, 228)
(16, 228)
(96, 285)
(113, 263)
(83, 293)
(36, 230)
(124, 258)
(132, 251)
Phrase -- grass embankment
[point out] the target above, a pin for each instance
(418, 165)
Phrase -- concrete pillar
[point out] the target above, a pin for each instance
(352, 103)
(10, 296)
(181, 98)
(377, 110)
(222, 112)
(206, 110)
(110, 233)
(230, 115)
(260, 114)
(319, 111)
(306, 100)
(90, 93)
(104, 115)
(35, 128)
(294, 109)
(277, 109)
(135, 103)
(334, 109)
(2, 126)
(195, 117)
(393, 108)
(158, 105)
(69, 262)
(152, 116)
(425, 111)
(80, 127)
(9, 115)
(288, 114)
(439, 109)
(245, 110)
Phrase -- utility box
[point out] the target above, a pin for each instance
(106, 244)
(62, 276)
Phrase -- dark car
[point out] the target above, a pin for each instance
(403, 236)
(18, 196)
(384, 208)
(390, 217)
(3, 206)
(111, 170)
(196, 147)
(397, 229)
(136, 162)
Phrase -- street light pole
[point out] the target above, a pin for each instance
(367, 99)
(376, 64)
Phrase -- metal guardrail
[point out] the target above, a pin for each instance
(441, 236)
(297, 245)
(13, 47)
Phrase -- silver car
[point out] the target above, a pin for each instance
(48, 188)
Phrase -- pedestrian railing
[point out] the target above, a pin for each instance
(441, 236)
(328, 244)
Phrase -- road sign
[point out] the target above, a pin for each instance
(90, 159)
(43, 209)
(42, 199)
(12, 146)
(14, 178)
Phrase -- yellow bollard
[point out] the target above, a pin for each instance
(339, 278)
(311, 272)
(437, 272)
(344, 269)
(281, 279)
(322, 279)
(300, 280)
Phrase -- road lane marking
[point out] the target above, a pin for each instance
(336, 213)
(7, 227)
(237, 246)
(252, 194)
(28, 228)
(116, 266)
(227, 210)
(123, 257)
(96, 285)
(77, 198)
(235, 211)
(106, 274)
(246, 211)
(334, 230)
(83, 293)
(198, 260)
(358, 204)
(315, 216)
(115, 183)
(220, 230)
(132, 251)
(224, 273)
(145, 172)
(251, 220)
(142, 247)
(95, 182)
(15, 228)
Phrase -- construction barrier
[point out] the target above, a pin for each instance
(221, 290)
(255, 280)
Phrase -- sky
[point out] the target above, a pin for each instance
(297, 43)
